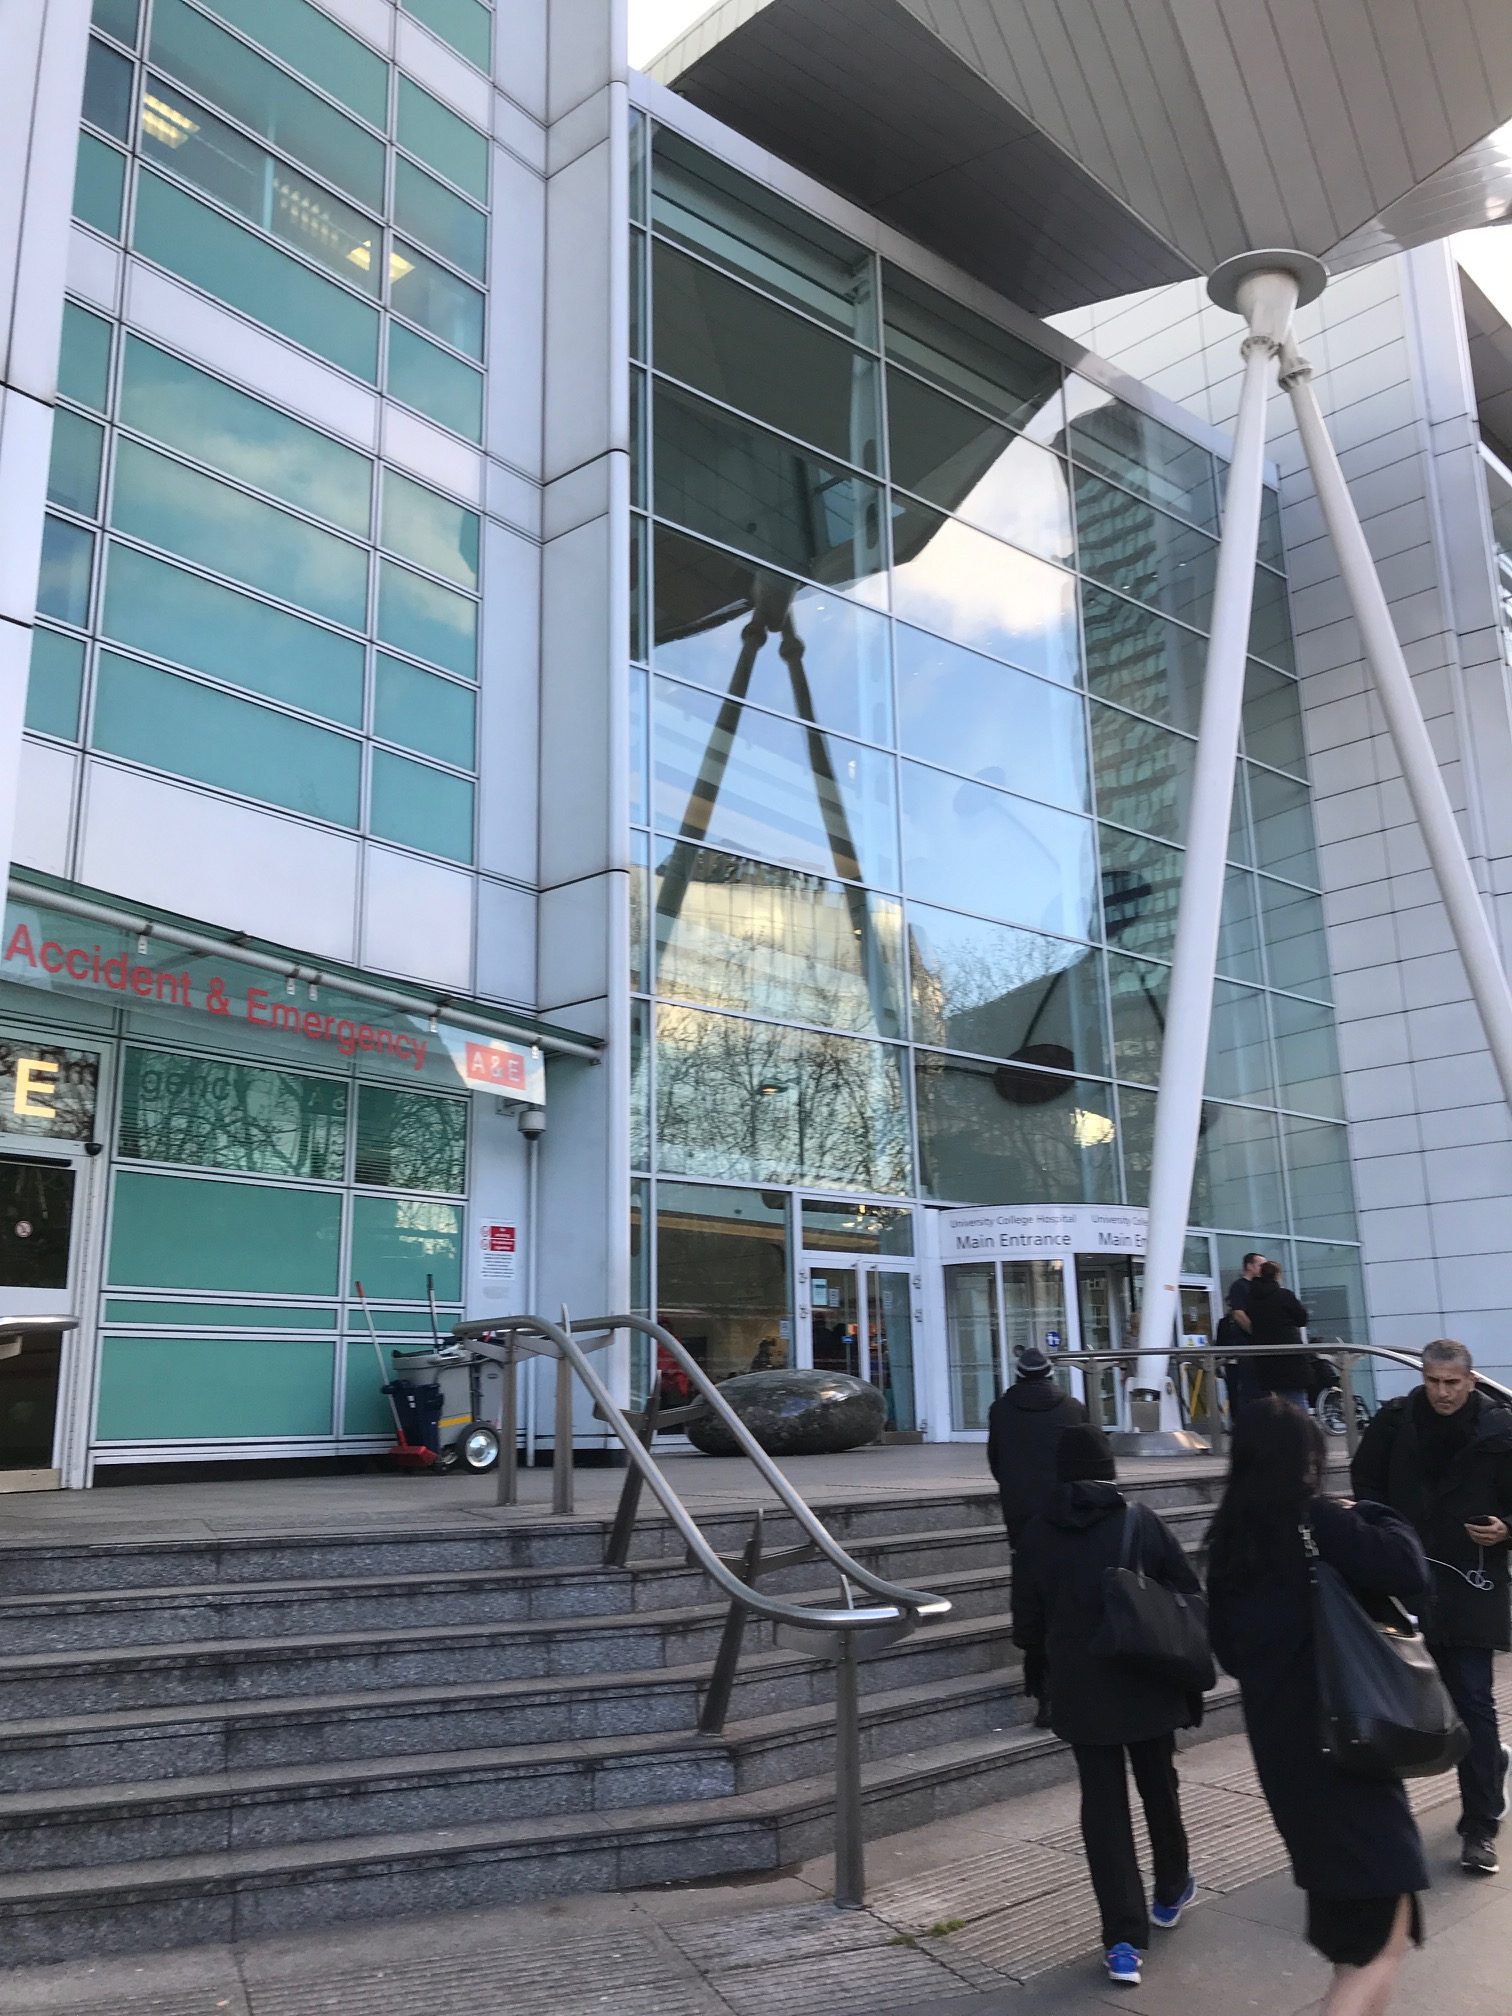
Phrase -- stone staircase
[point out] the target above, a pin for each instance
(215, 1739)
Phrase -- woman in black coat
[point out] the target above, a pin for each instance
(1353, 1843)
(1277, 1319)
(1103, 1709)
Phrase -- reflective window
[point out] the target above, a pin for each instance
(1002, 1134)
(1317, 1167)
(1272, 551)
(744, 780)
(957, 582)
(1239, 928)
(769, 1104)
(410, 1140)
(429, 529)
(980, 717)
(208, 1113)
(1282, 812)
(743, 935)
(193, 515)
(440, 386)
(1005, 993)
(755, 491)
(701, 203)
(84, 359)
(194, 731)
(1143, 773)
(421, 807)
(964, 352)
(310, 42)
(738, 628)
(465, 24)
(1237, 1180)
(1142, 454)
(999, 856)
(722, 1273)
(639, 311)
(211, 252)
(956, 458)
(426, 620)
(397, 1241)
(430, 294)
(107, 90)
(640, 1085)
(1270, 621)
(210, 628)
(640, 912)
(55, 682)
(446, 143)
(1141, 887)
(1238, 1065)
(1140, 660)
(252, 1238)
(423, 712)
(73, 473)
(118, 18)
(430, 212)
(99, 182)
(640, 793)
(67, 562)
(748, 352)
(1307, 1056)
(264, 98)
(1296, 949)
(1273, 719)
(1126, 544)
(1330, 1282)
(187, 409)
(855, 1228)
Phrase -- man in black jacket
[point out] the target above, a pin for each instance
(1024, 1427)
(1442, 1457)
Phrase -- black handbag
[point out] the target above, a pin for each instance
(1149, 1627)
(1384, 1712)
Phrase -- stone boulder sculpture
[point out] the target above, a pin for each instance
(795, 1413)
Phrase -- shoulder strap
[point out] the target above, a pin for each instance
(1130, 1547)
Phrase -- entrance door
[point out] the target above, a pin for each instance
(861, 1322)
(1105, 1301)
(995, 1310)
(40, 1204)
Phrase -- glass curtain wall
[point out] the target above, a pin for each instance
(918, 633)
(228, 593)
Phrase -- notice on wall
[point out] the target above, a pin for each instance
(496, 1266)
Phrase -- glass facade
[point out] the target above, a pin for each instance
(916, 660)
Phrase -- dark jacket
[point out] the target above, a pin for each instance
(1058, 1605)
(1347, 1837)
(1023, 1427)
(1388, 1466)
(1276, 1318)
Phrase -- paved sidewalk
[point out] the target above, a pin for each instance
(986, 1915)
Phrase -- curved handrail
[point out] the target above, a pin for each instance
(903, 1605)
(1318, 1346)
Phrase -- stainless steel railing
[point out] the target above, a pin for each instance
(840, 1633)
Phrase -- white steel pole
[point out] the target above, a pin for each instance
(1404, 718)
(1264, 288)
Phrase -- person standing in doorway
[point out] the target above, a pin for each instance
(1276, 1321)
(1114, 1716)
(1024, 1428)
(1442, 1457)
(1235, 1331)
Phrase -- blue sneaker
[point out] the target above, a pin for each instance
(1123, 1966)
(1168, 1916)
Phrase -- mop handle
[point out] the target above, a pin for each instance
(383, 1378)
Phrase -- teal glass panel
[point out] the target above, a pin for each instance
(194, 731)
(420, 807)
(199, 624)
(200, 1389)
(67, 562)
(435, 533)
(99, 181)
(964, 352)
(1006, 993)
(187, 409)
(405, 1325)
(411, 1140)
(73, 474)
(426, 210)
(286, 114)
(1331, 1285)
(432, 131)
(1001, 1134)
(244, 1118)
(244, 1238)
(432, 295)
(107, 90)
(639, 318)
(397, 1241)
(419, 711)
(427, 620)
(170, 505)
(84, 359)
(217, 1315)
(466, 25)
(441, 387)
(311, 43)
(726, 217)
(118, 18)
(640, 141)
(365, 1411)
(234, 265)
(757, 1102)
(54, 684)
(285, 202)
(957, 582)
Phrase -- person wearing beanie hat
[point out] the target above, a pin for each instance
(1114, 1715)
(1024, 1428)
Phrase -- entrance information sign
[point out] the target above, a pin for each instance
(1040, 1231)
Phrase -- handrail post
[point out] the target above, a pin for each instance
(716, 1703)
(1347, 1394)
(850, 1855)
(509, 1438)
(617, 1549)
(561, 1443)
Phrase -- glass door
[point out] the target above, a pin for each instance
(1105, 1301)
(835, 1320)
(973, 1344)
(861, 1322)
(38, 1265)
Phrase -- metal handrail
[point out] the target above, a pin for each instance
(840, 1634)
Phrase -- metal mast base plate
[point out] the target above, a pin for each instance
(1311, 275)
(1158, 1442)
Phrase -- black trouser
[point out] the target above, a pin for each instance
(1467, 1675)
(1108, 1832)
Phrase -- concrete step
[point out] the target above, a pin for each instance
(245, 1892)
(91, 1826)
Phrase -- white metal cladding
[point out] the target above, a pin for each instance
(1070, 150)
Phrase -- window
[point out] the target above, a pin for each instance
(960, 584)
(310, 42)
(996, 480)
(1005, 993)
(436, 534)
(444, 222)
(1001, 1134)
(67, 564)
(722, 1271)
(465, 24)
(421, 807)
(107, 90)
(1127, 544)
(435, 298)
(99, 184)
(398, 1241)
(118, 18)
(1142, 661)
(54, 684)
(427, 620)
(421, 711)
(982, 718)
(999, 856)
(411, 1140)
(965, 353)
(84, 359)
(434, 383)
(73, 474)
(446, 143)
(1141, 454)
(244, 1238)
(212, 1114)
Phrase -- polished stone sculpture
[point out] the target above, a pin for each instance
(795, 1414)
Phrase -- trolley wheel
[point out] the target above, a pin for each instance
(450, 1458)
(477, 1447)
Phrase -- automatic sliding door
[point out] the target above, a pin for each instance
(972, 1344)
